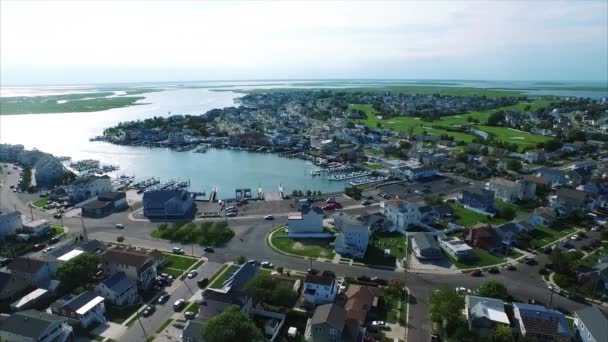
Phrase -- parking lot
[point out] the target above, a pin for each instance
(416, 191)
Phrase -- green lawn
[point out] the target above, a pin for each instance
(470, 218)
(163, 326)
(396, 242)
(194, 307)
(310, 248)
(518, 210)
(118, 314)
(482, 259)
(373, 166)
(544, 235)
(405, 123)
(224, 273)
(41, 202)
(175, 265)
(57, 229)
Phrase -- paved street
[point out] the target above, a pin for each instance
(525, 283)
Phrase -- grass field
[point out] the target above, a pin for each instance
(482, 259)
(176, 264)
(396, 242)
(373, 166)
(518, 210)
(310, 248)
(57, 229)
(470, 218)
(41, 202)
(405, 123)
(544, 235)
(223, 274)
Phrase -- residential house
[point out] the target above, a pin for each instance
(10, 223)
(362, 302)
(12, 286)
(402, 214)
(455, 247)
(444, 211)
(413, 172)
(138, 264)
(84, 188)
(538, 322)
(541, 183)
(353, 237)
(49, 171)
(480, 171)
(510, 191)
(569, 200)
(479, 200)
(555, 176)
(215, 301)
(508, 232)
(162, 204)
(535, 156)
(309, 221)
(104, 204)
(591, 324)
(543, 216)
(84, 309)
(30, 300)
(483, 236)
(594, 278)
(118, 289)
(320, 288)
(425, 246)
(37, 228)
(484, 314)
(330, 324)
(36, 271)
(35, 326)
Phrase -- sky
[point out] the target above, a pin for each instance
(54, 42)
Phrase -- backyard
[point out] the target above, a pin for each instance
(482, 259)
(470, 218)
(544, 235)
(41, 202)
(396, 242)
(310, 248)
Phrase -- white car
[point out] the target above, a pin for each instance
(268, 217)
(192, 274)
(120, 226)
(575, 237)
(266, 264)
(595, 229)
(48, 249)
(461, 289)
(554, 289)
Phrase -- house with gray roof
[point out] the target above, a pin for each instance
(591, 324)
(85, 309)
(162, 204)
(12, 286)
(540, 323)
(118, 289)
(353, 237)
(484, 314)
(37, 271)
(35, 326)
(329, 323)
(425, 246)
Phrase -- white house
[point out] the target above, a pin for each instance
(320, 288)
(310, 221)
(37, 228)
(137, 264)
(86, 308)
(455, 247)
(414, 172)
(9, 223)
(402, 214)
(510, 191)
(353, 237)
(118, 289)
(86, 187)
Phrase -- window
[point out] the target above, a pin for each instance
(333, 331)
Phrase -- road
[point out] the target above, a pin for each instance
(163, 312)
(250, 241)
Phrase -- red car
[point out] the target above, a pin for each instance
(475, 273)
(332, 206)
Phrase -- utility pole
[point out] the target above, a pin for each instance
(31, 211)
(551, 298)
(142, 326)
(84, 229)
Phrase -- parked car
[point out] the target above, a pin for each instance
(231, 214)
(366, 202)
(192, 274)
(48, 249)
(266, 264)
(120, 226)
(208, 250)
(462, 290)
(163, 298)
(38, 246)
(381, 325)
(149, 310)
(54, 240)
(379, 281)
(177, 250)
(555, 289)
(509, 267)
(331, 206)
(494, 270)
(179, 304)
(595, 229)
(190, 315)
(268, 217)
(475, 273)
(57, 215)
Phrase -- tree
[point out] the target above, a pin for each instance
(507, 213)
(79, 270)
(502, 333)
(283, 296)
(493, 289)
(514, 165)
(241, 260)
(261, 287)
(433, 200)
(445, 303)
(120, 239)
(231, 325)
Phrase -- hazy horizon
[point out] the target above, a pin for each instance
(74, 43)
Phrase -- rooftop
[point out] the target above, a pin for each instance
(70, 255)
(331, 314)
(26, 265)
(29, 323)
(325, 278)
(596, 321)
